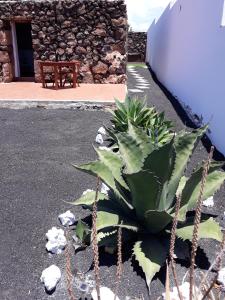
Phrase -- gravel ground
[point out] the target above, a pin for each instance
(37, 149)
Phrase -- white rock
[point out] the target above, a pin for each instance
(87, 191)
(99, 139)
(105, 294)
(50, 277)
(67, 218)
(221, 277)
(104, 189)
(104, 148)
(184, 289)
(208, 202)
(102, 130)
(56, 240)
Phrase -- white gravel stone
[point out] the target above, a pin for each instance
(99, 139)
(87, 191)
(105, 293)
(104, 189)
(102, 130)
(67, 218)
(184, 289)
(56, 240)
(135, 91)
(221, 277)
(142, 87)
(208, 202)
(50, 277)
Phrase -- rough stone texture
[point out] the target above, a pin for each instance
(137, 46)
(86, 30)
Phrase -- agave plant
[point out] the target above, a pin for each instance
(136, 112)
(144, 183)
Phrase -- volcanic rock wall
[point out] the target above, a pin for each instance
(91, 31)
(137, 46)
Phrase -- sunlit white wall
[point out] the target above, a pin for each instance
(186, 50)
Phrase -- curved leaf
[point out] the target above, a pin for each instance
(141, 138)
(89, 198)
(130, 152)
(144, 187)
(98, 168)
(185, 143)
(151, 255)
(160, 162)
(208, 229)
(156, 221)
(109, 219)
(114, 163)
(192, 187)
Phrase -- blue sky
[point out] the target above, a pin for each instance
(141, 13)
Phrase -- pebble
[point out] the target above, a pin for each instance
(184, 289)
(102, 130)
(208, 202)
(221, 277)
(50, 277)
(56, 240)
(104, 189)
(99, 139)
(67, 218)
(105, 293)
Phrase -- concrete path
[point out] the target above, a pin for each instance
(30, 91)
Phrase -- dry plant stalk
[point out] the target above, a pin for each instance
(172, 244)
(119, 269)
(218, 264)
(95, 241)
(69, 276)
(167, 281)
(197, 221)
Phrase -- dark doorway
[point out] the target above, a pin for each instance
(25, 49)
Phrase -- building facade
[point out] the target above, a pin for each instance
(91, 31)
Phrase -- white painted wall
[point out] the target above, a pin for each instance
(186, 50)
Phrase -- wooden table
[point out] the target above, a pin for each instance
(58, 73)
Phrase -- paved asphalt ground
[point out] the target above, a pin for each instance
(37, 147)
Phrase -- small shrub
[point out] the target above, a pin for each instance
(136, 112)
(144, 184)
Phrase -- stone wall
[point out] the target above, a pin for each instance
(6, 56)
(137, 46)
(92, 31)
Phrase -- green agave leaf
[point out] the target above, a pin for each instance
(108, 237)
(208, 229)
(141, 138)
(151, 255)
(181, 185)
(192, 187)
(185, 143)
(144, 187)
(160, 162)
(130, 152)
(82, 230)
(156, 221)
(89, 198)
(109, 219)
(114, 163)
(98, 168)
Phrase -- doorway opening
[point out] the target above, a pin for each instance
(23, 50)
